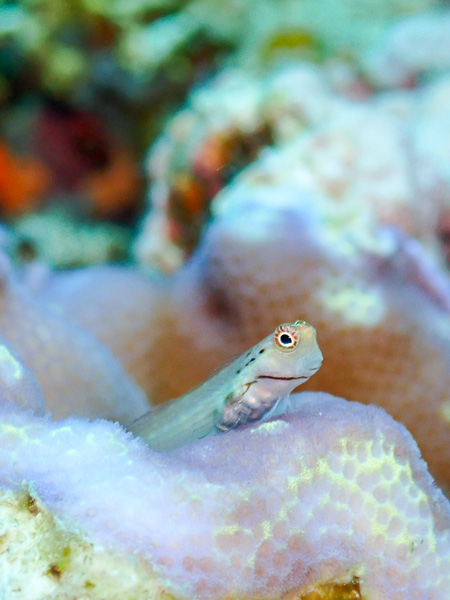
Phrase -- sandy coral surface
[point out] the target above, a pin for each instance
(333, 496)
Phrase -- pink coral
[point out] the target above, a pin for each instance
(120, 306)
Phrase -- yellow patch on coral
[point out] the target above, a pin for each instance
(333, 591)
(270, 427)
(445, 410)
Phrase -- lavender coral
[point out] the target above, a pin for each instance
(18, 385)
(76, 372)
(120, 306)
(332, 497)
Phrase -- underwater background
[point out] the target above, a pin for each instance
(183, 183)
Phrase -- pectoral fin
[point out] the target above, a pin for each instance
(235, 411)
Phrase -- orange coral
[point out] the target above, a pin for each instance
(22, 182)
(113, 190)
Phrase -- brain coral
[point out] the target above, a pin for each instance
(76, 372)
(332, 501)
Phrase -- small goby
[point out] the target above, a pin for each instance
(244, 391)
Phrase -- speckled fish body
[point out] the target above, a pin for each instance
(246, 390)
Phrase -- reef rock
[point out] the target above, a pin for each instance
(331, 501)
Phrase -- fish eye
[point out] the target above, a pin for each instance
(286, 337)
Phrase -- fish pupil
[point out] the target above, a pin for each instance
(285, 339)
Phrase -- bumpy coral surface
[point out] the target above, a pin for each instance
(76, 372)
(331, 501)
(208, 143)
(66, 564)
(65, 241)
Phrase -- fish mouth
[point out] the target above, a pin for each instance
(282, 378)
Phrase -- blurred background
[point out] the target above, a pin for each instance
(87, 86)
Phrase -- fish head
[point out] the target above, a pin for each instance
(270, 371)
(291, 351)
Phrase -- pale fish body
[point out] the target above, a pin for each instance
(244, 391)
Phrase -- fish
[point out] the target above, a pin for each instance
(246, 390)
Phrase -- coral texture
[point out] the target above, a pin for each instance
(76, 372)
(332, 497)
(212, 139)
